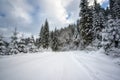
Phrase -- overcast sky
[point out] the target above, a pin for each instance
(29, 15)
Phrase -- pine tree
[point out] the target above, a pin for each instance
(85, 24)
(13, 46)
(22, 45)
(41, 37)
(51, 38)
(89, 28)
(3, 48)
(105, 40)
(107, 12)
(113, 33)
(37, 43)
(45, 37)
(31, 45)
(96, 19)
(118, 36)
(98, 23)
(76, 38)
(111, 3)
(115, 8)
(55, 41)
(112, 37)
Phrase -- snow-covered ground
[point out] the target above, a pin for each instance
(74, 65)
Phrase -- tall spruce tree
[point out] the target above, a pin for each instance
(111, 40)
(115, 8)
(13, 46)
(31, 45)
(22, 45)
(51, 38)
(98, 23)
(45, 36)
(85, 24)
(55, 41)
(111, 3)
(3, 48)
(41, 37)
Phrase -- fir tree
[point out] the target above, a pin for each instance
(115, 8)
(112, 38)
(3, 48)
(105, 40)
(41, 37)
(55, 41)
(31, 45)
(98, 23)
(51, 38)
(45, 36)
(22, 45)
(107, 12)
(13, 46)
(85, 24)
(111, 3)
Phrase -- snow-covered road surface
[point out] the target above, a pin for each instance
(76, 65)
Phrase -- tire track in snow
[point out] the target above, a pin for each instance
(99, 65)
(88, 70)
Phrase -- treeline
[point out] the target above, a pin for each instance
(97, 28)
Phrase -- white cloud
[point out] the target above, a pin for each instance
(55, 11)
(19, 13)
(21, 10)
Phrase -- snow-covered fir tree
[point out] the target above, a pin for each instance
(107, 12)
(98, 24)
(96, 19)
(22, 45)
(31, 45)
(13, 46)
(37, 43)
(55, 43)
(40, 40)
(45, 36)
(76, 39)
(3, 48)
(105, 40)
(51, 38)
(118, 27)
(115, 8)
(85, 24)
(111, 35)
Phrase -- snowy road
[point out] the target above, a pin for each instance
(75, 65)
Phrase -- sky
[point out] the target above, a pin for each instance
(29, 15)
